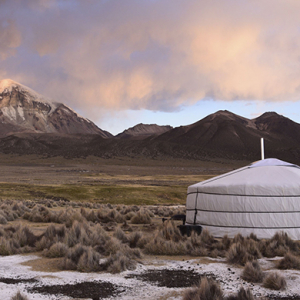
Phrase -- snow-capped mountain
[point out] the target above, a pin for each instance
(24, 110)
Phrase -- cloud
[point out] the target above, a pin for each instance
(155, 55)
(10, 38)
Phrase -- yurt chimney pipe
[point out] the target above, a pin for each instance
(262, 149)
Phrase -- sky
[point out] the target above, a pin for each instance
(169, 62)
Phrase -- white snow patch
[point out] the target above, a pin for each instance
(21, 112)
(228, 276)
(9, 112)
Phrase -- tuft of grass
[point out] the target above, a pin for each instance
(252, 272)
(82, 258)
(89, 261)
(242, 294)
(120, 262)
(141, 217)
(56, 250)
(19, 296)
(167, 240)
(274, 281)
(289, 261)
(208, 289)
(120, 235)
(279, 245)
(237, 254)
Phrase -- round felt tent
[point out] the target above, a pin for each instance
(262, 198)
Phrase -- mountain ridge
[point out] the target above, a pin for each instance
(33, 124)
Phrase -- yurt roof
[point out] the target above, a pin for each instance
(268, 177)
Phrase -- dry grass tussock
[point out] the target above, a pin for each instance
(209, 289)
(206, 290)
(19, 296)
(56, 250)
(274, 281)
(167, 240)
(11, 210)
(42, 214)
(252, 272)
(242, 294)
(82, 245)
(279, 245)
(16, 239)
(289, 261)
(120, 235)
(143, 216)
(242, 251)
(121, 261)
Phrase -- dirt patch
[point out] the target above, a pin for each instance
(169, 278)
(44, 264)
(95, 290)
(17, 280)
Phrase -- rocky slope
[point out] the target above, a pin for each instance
(24, 110)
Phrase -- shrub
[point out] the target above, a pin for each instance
(141, 217)
(206, 237)
(279, 245)
(19, 296)
(195, 247)
(25, 236)
(134, 239)
(119, 262)
(43, 243)
(274, 281)
(3, 219)
(252, 272)
(169, 231)
(115, 216)
(238, 254)
(252, 248)
(82, 258)
(129, 215)
(5, 247)
(289, 261)
(226, 242)
(56, 250)
(89, 261)
(161, 246)
(208, 289)
(55, 233)
(39, 213)
(75, 253)
(120, 235)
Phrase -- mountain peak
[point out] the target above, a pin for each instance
(7, 84)
(144, 130)
(23, 109)
(269, 114)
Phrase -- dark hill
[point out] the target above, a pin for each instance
(222, 135)
(142, 131)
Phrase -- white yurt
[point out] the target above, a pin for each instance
(263, 198)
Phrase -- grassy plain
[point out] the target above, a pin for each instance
(115, 181)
